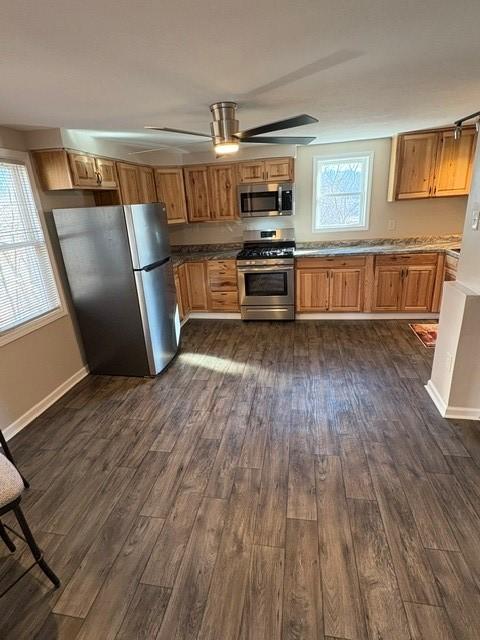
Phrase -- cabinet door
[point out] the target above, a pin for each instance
(171, 191)
(388, 288)
(196, 187)
(279, 169)
(454, 164)
(128, 180)
(84, 170)
(146, 185)
(312, 290)
(182, 279)
(416, 165)
(251, 171)
(106, 170)
(196, 286)
(346, 289)
(223, 200)
(418, 288)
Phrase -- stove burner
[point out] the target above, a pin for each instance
(252, 253)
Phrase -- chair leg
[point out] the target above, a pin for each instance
(6, 538)
(37, 553)
(8, 454)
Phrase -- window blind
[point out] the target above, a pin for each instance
(27, 285)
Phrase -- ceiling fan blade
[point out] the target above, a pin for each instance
(288, 123)
(280, 139)
(188, 133)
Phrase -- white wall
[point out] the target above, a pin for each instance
(409, 217)
(35, 365)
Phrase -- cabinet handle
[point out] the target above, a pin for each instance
(434, 189)
(430, 190)
(99, 177)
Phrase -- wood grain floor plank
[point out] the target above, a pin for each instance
(223, 612)
(189, 595)
(413, 572)
(60, 628)
(384, 611)
(201, 464)
(428, 622)
(301, 501)
(459, 591)
(80, 593)
(356, 474)
(262, 613)
(342, 605)
(166, 557)
(302, 599)
(467, 473)
(119, 588)
(145, 614)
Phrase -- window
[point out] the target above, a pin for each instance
(28, 290)
(342, 192)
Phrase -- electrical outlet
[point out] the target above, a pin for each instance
(475, 219)
(392, 224)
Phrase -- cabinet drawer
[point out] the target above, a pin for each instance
(222, 275)
(330, 263)
(406, 259)
(224, 300)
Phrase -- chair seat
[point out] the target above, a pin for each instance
(11, 483)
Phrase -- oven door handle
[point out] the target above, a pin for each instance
(279, 199)
(278, 268)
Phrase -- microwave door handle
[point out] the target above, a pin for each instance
(279, 199)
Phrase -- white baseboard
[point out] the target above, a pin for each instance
(447, 411)
(206, 315)
(21, 422)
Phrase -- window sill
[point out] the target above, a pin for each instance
(340, 229)
(19, 332)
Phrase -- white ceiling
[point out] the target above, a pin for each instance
(365, 69)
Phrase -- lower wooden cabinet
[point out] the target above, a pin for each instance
(330, 284)
(182, 291)
(196, 282)
(222, 285)
(405, 282)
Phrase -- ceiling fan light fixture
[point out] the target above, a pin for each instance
(224, 148)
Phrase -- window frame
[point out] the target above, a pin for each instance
(368, 190)
(21, 330)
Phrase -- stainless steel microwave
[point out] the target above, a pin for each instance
(271, 199)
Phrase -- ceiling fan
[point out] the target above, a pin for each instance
(226, 136)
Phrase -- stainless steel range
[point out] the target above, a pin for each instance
(266, 281)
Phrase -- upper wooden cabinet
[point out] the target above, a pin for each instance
(171, 191)
(196, 189)
(432, 164)
(129, 183)
(146, 185)
(223, 197)
(268, 170)
(62, 169)
(455, 163)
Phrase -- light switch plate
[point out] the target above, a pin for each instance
(475, 219)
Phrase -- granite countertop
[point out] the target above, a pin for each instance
(434, 244)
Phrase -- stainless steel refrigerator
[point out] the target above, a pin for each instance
(118, 265)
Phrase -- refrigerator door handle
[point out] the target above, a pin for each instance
(154, 265)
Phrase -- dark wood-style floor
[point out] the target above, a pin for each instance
(285, 481)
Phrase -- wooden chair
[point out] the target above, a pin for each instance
(8, 454)
(11, 489)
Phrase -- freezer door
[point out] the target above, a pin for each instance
(147, 233)
(160, 316)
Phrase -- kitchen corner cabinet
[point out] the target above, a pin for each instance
(432, 164)
(268, 170)
(171, 191)
(330, 284)
(196, 190)
(64, 169)
(405, 282)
